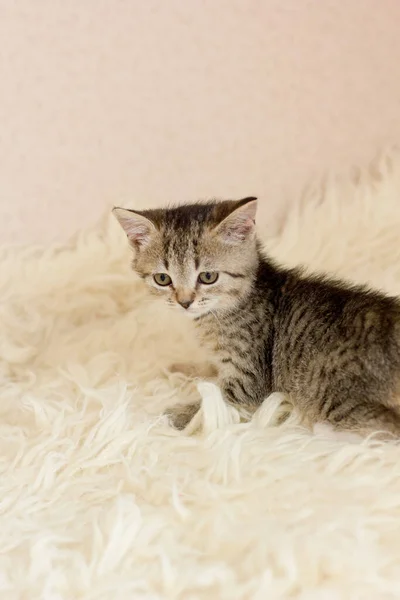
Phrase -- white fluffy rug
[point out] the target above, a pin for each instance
(100, 499)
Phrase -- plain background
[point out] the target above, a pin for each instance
(148, 102)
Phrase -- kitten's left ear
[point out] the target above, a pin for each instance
(239, 225)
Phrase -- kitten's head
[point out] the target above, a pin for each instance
(198, 258)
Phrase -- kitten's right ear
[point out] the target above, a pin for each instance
(137, 227)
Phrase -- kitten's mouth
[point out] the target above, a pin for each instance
(191, 311)
(195, 311)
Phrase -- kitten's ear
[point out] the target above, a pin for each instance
(137, 227)
(239, 225)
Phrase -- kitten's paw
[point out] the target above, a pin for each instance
(203, 370)
(180, 415)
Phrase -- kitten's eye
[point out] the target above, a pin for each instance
(162, 279)
(208, 277)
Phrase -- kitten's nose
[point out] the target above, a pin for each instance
(185, 303)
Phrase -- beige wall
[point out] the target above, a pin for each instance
(151, 101)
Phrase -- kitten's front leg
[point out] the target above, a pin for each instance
(232, 395)
(241, 386)
(180, 415)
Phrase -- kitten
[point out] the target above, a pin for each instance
(332, 348)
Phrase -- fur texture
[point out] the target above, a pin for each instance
(102, 500)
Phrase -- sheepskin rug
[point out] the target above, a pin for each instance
(102, 500)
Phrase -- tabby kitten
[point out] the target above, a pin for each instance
(332, 348)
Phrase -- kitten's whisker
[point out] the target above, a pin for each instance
(215, 316)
